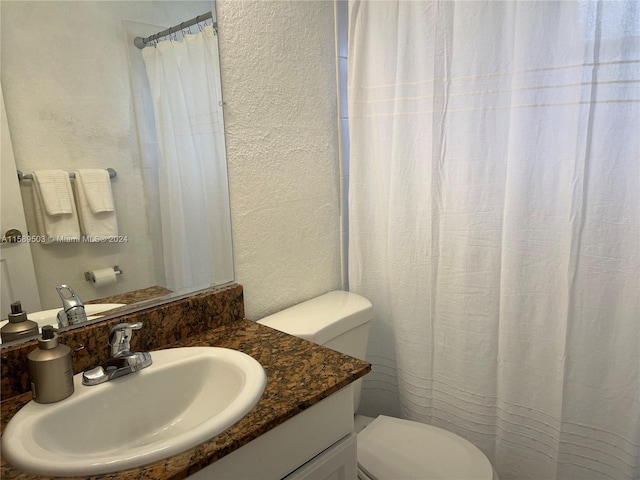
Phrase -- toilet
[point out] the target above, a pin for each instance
(388, 448)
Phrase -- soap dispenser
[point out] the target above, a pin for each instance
(19, 325)
(50, 368)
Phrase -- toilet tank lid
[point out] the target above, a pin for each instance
(322, 318)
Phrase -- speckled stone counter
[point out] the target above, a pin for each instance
(135, 299)
(299, 374)
(135, 296)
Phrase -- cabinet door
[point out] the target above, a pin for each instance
(338, 462)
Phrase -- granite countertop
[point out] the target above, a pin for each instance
(299, 374)
(132, 299)
(134, 295)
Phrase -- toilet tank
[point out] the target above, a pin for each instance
(331, 320)
(338, 320)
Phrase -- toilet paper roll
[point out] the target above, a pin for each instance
(103, 277)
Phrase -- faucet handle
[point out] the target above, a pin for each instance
(72, 305)
(120, 337)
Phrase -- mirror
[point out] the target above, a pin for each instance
(71, 79)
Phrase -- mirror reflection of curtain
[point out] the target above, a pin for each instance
(184, 81)
(494, 205)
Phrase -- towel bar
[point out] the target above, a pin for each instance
(28, 176)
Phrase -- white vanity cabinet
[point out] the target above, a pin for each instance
(316, 444)
(338, 462)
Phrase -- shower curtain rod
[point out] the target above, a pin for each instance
(142, 42)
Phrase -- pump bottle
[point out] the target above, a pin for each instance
(50, 369)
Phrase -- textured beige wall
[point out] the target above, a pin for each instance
(278, 79)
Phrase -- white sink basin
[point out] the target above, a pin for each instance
(50, 317)
(187, 396)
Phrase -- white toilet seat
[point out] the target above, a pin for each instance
(362, 475)
(393, 448)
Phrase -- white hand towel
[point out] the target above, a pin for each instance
(55, 189)
(97, 226)
(55, 210)
(97, 187)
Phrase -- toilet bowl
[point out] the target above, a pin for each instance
(388, 448)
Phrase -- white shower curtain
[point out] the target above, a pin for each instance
(184, 80)
(495, 225)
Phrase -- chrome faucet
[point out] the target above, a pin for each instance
(72, 307)
(123, 361)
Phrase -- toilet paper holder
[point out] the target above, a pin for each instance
(89, 277)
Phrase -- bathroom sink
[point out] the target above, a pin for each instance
(50, 317)
(93, 310)
(187, 396)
